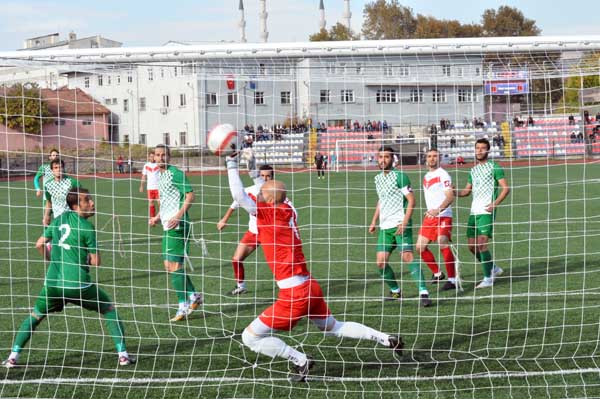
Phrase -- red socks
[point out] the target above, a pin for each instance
(428, 258)
(449, 260)
(238, 270)
(152, 211)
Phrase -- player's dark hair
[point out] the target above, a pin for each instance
(386, 148)
(166, 147)
(73, 196)
(483, 141)
(268, 168)
(54, 150)
(57, 160)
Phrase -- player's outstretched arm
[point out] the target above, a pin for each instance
(223, 222)
(465, 192)
(236, 186)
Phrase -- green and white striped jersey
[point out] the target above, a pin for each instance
(392, 189)
(484, 177)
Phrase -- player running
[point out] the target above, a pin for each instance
(484, 179)
(394, 211)
(299, 295)
(176, 198)
(44, 172)
(150, 175)
(68, 278)
(56, 191)
(249, 241)
(437, 223)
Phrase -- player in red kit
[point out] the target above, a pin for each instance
(437, 224)
(299, 294)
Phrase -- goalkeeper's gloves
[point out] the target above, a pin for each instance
(231, 161)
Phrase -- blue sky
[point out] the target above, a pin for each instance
(150, 22)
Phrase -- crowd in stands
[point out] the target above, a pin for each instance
(356, 126)
(275, 132)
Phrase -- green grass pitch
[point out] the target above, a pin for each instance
(535, 335)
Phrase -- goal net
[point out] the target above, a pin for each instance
(534, 333)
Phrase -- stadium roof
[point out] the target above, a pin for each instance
(313, 49)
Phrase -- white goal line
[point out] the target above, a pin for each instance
(146, 381)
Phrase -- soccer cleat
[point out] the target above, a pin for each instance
(299, 373)
(395, 296)
(10, 363)
(126, 360)
(497, 271)
(238, 291)
(181, 314)
(425, 301)
(396, 344)
(449, 286)
(436, 279)
(196, 300)
(485, 283)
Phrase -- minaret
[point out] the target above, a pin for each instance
(242, 23)
(347, 14)
(264, 35)
(323, 23)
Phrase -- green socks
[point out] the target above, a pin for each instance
(417, 274)
(389, 277)
(486, 263)
(27, 327)
(182, 284)
(115, 329)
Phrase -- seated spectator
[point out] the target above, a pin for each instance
(530, 121)
(573, 137)
(586, 117)
(466, 122)
(460, 160)
(385, 126)
(571, 120)
(452, 142)
(370, 137)
(598, 117)
(580, 137)
(442, 124)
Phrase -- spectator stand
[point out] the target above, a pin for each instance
(289, 150)
(361, 152)
(550, 137)
(459, 141)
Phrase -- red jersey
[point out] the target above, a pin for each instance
(280, 239)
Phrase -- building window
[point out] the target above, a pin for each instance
(166, 138)
(175, 71)
(460, 72)
(182, 138)
(359, 69)
(388, 70)
(211, 99)
(107, 101)
(262, 69)
(331, 68)
(438, 95)
(118, 79)
(125, 105)
(467, 96)
(114, 101)
(60, 122)
(347, 96)
(108, 80)
(86, 82)
(142, 103)
(416, 95)
(100, 82)
(129, 77)
(477, 71)
(386, 96)
(232, 98)
(259, 98)
(166, 101)
(325, 97)
(126, 138)
(446, 70)
(162, 73)
(403, 71)
(150, 74)
(86, 122)
(286, 97)
(182, 100)
(143, 139)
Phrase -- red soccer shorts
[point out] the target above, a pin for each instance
(153, 194)
(293, 304)
(250, 240)
(432, 228)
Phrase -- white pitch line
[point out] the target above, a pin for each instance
(130, 381)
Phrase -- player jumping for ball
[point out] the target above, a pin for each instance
(299, 294)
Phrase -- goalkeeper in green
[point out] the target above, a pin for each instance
(68, 278)
(485, 181)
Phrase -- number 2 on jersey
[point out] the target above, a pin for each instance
(64, 235)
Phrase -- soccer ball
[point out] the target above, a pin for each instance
(221, 137)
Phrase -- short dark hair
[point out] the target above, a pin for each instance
(73, 196)
(268, 168)
(386, 148)
(54, 150)
(57, 160)
(166, 147)
(483, 141)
